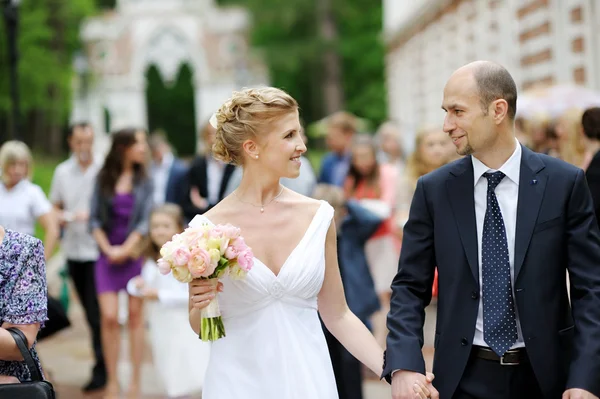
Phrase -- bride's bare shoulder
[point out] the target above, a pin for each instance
(221, 212)
(310, 205)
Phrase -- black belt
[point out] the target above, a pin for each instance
(513, 357)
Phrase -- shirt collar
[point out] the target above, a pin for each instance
(511, 168)
(166, 162)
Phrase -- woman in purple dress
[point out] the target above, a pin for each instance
(22, 299)
(120, 208)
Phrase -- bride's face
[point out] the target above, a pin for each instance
(280, 149)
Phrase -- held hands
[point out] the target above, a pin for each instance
(578, 394)
(117, 254)
(410, 384)
(203, 291)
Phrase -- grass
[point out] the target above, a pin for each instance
(43, 170)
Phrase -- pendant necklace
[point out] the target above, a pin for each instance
(262, 206)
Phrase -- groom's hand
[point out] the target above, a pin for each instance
(578, 394)
(404, 381)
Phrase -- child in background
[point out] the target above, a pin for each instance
(180, 358)
(354, 225)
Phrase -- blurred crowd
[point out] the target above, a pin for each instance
(120, 209)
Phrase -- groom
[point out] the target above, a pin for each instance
(503, 225)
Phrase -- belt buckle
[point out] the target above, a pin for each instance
(503, 363)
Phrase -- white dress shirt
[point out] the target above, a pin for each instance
(214, 175)
(73, 187)
(160, 176)
(507, 193)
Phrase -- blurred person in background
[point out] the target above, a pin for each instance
(536, 129)
(551, 141)
(431, 152)
(179, 357)
(571, 141)
(374, 186)
(389, 140)
(23, 203)
(168, 173)
(23, 292)
(590, 121)
(521, 132)
(121, 205)
(208, 178)
(71, 195)
(355, 226)
(341, 128)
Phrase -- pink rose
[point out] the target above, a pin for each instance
(231, 253)
(230, 231)
(181, 256)
(215, 232)
(201, 263)
(163, 266)
(235, 247)
(246, 260)
(193, 236)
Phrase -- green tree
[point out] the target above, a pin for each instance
(48, 38)
(171, 109)
(292, 35)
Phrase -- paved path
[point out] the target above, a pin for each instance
(68, 358)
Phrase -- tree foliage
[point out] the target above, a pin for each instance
(48, 36)
(288, 34)
(171, 108)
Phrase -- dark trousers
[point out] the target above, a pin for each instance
(486, 379)
(347, 370)
(82, 274)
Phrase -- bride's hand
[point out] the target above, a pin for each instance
(203, 291)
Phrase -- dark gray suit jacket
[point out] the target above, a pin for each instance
(101, 208)
(556, 232)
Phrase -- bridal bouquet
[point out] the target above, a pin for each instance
(207, 252)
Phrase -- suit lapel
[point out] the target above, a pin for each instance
(532, 185)
(460, 188)
(203, 186)
(229, 169)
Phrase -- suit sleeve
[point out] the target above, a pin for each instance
(583, 243)
(411, 290)
(95, 221)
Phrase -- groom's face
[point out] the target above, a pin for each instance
(465, 122)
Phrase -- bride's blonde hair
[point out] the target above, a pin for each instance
(246, 115)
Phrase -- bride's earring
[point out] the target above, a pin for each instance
(257, 157)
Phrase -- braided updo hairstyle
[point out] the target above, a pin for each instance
(246, 115)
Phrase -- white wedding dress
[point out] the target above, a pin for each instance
(275, 347)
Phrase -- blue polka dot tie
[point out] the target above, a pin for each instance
(499, 320)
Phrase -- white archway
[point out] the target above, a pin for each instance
(121, 46)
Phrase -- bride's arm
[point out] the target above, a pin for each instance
(339, 320)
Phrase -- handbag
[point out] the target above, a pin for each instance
(37, 388)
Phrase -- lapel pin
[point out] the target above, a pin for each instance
(533, 182)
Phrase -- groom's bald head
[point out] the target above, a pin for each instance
(493, 82)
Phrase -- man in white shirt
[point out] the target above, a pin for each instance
(503, 226)
(70, 193)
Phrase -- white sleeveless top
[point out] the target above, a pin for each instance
(275, 347)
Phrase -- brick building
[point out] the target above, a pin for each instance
(540, 42)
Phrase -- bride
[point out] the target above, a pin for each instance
(275, 347)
